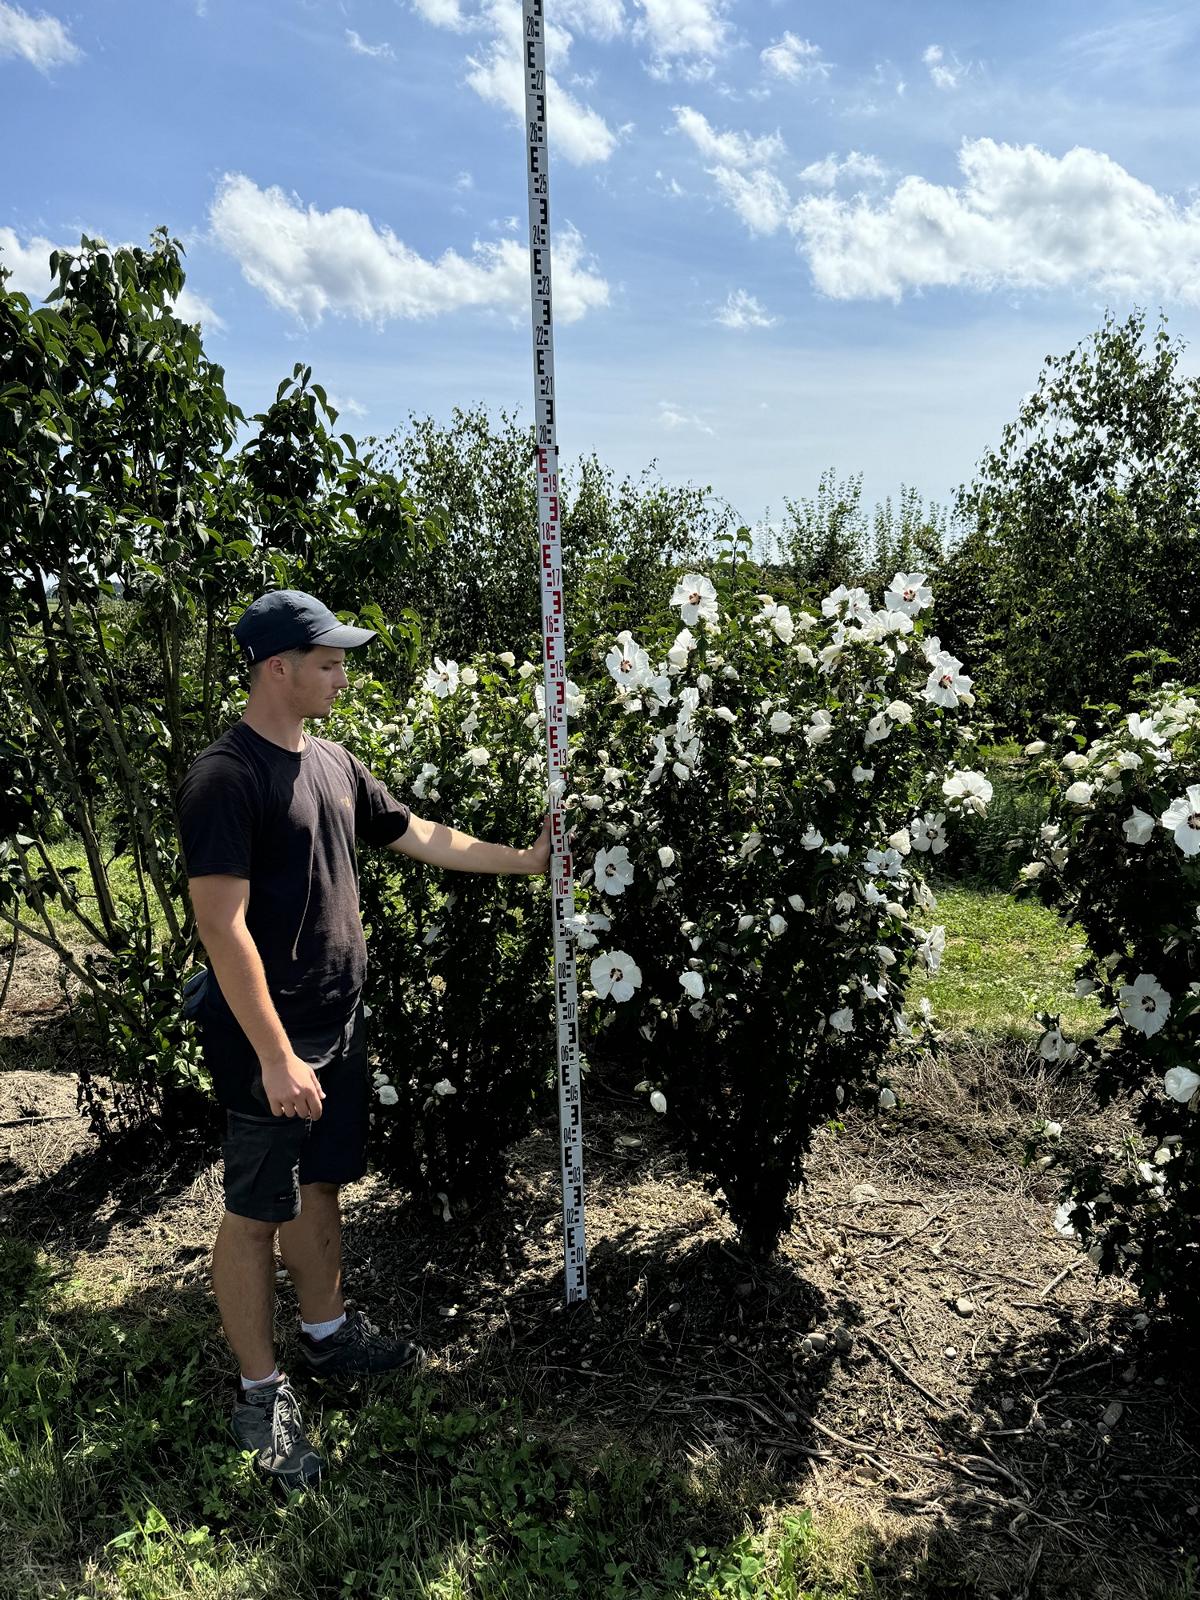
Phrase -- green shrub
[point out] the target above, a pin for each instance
(459, 980)
(756, 793)
(1121, 857)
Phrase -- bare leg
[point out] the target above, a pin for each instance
(311, 1247)
(243, 1274)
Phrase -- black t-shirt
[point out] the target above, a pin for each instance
(287, 820)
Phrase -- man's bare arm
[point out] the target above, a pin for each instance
(440, 846)
(220, 903)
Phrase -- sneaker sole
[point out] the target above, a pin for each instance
(303, 1369)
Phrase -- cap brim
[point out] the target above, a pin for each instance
(344, 638)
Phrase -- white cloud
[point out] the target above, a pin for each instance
(795, 59)
(741, 311)
(347, 407)
(944, 77)
(680, 29)
(599, 19)
(193, 308)
(30, 268)
(1020, 219)
(28, 263)
(442, 13)
(670, 416)
(830, 172)
(43, 41)
(496, 71)
(309, 262)
(758, 197)
(729, 149)
(497, 75)
(362, 48)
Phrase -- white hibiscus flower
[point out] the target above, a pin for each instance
(933, 945)
(820, 728)
(946, 681)
(878, 728)
(1138, 826)
(842, 1021)
(1181, 819)
(614, 870)
(696, 599)
(441, 680)
(971, 789)
(583, 927)
(658, 1101)
(1181, 1084)
(908, 592)
(628, 663)
(885, 863)
(929, 832)
(1080, 794)
(852, 604)
(1145, 1004)
(692, 984)
(1144, 728)
(1053, 1047)
(615, 975)
(781, 722)
(677, 655)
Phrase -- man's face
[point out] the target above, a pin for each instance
(315, 680)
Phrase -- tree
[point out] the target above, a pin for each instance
(483, 592)
(135, 528)
(1083, 526)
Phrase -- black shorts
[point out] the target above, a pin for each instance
(268, 1158)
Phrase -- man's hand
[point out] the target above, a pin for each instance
(539, 851)
(292, 1088)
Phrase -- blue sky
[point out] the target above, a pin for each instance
(786, 237)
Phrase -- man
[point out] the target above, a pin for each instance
(268, 820)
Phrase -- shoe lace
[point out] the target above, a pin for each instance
(361, 1331)
(287, 1427)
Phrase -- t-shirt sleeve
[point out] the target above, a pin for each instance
(216, 809)
(379, 818)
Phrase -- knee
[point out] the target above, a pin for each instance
(330, 1189)
(249, 1229)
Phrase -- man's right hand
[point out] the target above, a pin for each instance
(292, 1088)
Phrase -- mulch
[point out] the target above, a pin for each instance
(923, 1354)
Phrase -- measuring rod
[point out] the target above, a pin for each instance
(554, 650)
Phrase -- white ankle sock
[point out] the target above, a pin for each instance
(258, 1383)
(322, 1330)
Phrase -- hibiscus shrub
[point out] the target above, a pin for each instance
(753, 796)
(1120, 856)
(459, 980)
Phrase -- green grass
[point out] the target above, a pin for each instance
(1005, 959)
(117, 1478)
(122, 883)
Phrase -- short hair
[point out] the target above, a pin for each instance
(294, 655)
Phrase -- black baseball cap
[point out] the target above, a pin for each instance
(285, 618)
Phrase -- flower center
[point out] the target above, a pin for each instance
(1194, 820)
(947, 679)
(694, 598)
(910, 594)
(626, 664)
(1149, 1004)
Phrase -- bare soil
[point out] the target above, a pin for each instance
(925, 1358)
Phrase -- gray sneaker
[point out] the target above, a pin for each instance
(267, 1420)
(357, 1347)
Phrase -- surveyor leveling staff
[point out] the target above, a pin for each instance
(554, 651)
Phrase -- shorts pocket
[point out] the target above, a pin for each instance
(262, 1160)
